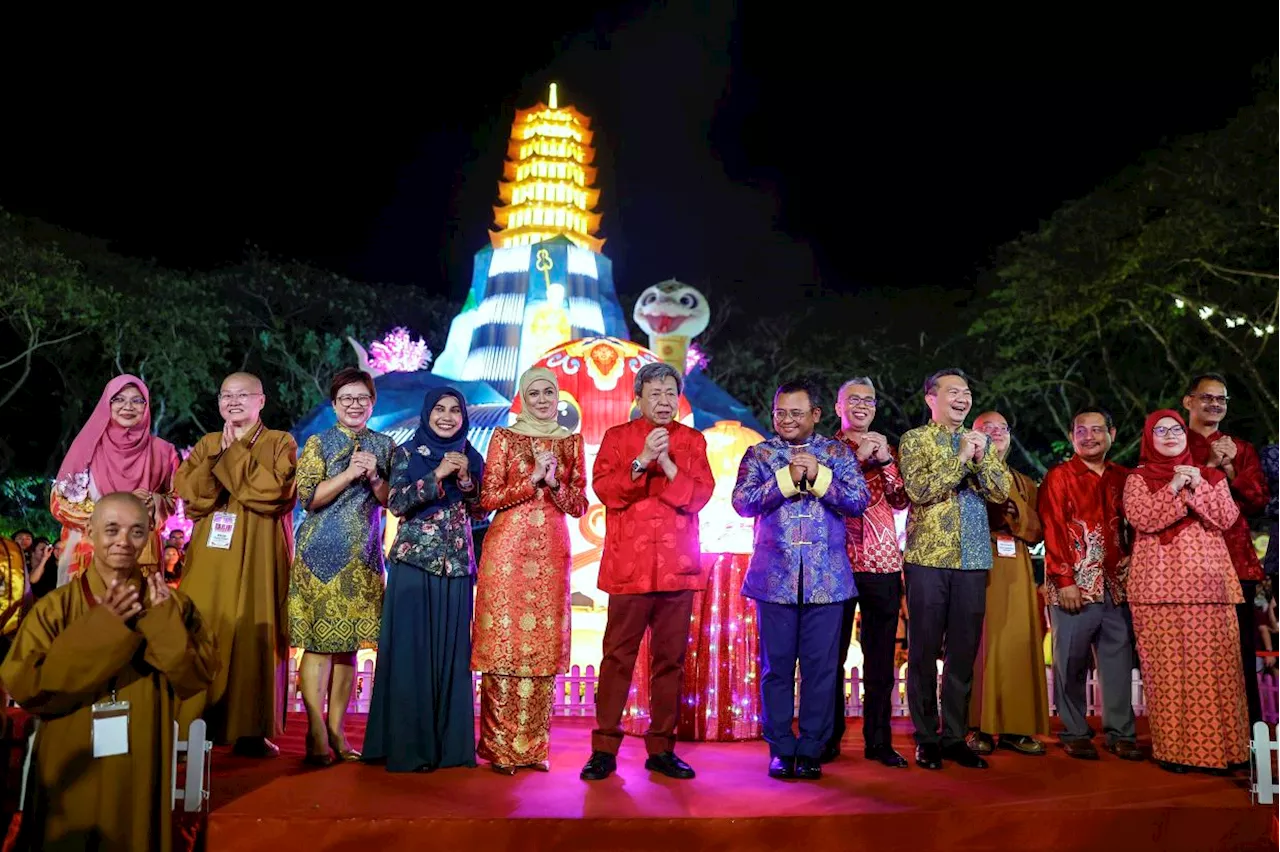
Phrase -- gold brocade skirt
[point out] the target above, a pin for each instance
(515, 719)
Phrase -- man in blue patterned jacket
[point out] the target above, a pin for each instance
(799, 486)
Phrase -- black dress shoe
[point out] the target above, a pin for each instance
(963, 755)
(599, 766)
(669, 765)
(1175, 768)
(783, 768)
(887, 756)
(829, 752)
(929, 756)
(808, 768)
(1080, 749)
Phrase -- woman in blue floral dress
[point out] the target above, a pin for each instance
(422, 714)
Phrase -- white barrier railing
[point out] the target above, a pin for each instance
(1262, 780)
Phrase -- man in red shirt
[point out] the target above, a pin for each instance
(1206, 405)
(1086, 569)
(653, 477)
(872, 542)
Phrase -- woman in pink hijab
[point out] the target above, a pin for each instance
(115, 451)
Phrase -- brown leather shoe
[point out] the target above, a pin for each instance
(1021, 744)
(1126, 750)
(1080, 749)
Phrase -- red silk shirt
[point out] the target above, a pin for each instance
(1251, 493)
(651, 523)
(1084, 530)
(872, 538)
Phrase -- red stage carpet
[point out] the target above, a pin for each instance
(1021, 803)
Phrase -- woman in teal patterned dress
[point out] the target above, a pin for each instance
(335, 587)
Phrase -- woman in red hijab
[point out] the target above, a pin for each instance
(1182, 593)
(115, 451)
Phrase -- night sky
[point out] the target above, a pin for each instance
(750, 152)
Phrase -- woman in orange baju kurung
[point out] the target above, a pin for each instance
(1183, 591)
(534, 478)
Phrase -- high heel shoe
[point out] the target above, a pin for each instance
(502, 768)
(347, 754)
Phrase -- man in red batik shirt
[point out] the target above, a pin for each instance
(1206, 405)
(872, 542)
(1086, 569)
(653, 477)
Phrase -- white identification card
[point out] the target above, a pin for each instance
(1006, 546)
(110, 728)
(221, 530)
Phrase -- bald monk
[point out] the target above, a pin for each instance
(109, 644)
(1010, 697)
(238, 486)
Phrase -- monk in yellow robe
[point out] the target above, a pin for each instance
(238, 487)
(99, 662)
(1010, 696)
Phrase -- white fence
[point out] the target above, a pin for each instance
(575, 692)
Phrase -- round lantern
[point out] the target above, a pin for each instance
(721, 529)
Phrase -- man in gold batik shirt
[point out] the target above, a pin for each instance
(950, 474)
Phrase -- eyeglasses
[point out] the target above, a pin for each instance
(131, 402)
(995, 431)
(781, 414)
(1171, 431)
(347, 401)
(228, 398)
(868, 401)
(1212, 399)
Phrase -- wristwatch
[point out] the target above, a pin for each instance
(636, 466)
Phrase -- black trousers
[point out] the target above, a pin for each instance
(880, 596)
(1249, 650)
(943, 606)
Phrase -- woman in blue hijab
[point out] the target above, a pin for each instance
(421, 715)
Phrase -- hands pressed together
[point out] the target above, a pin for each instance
(545, 467)
(657, 447)
(122, 600)
(455, 464)
(804, 466)
(973, 446)
(873, 446)
(363, 465)
(1185, 476)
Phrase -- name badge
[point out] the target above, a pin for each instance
(110, 728)
(1006, 546)
(221, 530)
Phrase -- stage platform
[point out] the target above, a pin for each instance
(1020, 803)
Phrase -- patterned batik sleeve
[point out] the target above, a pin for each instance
(311, 469)
(506, 483)
(1213, 504)
(406, 496)
(931, 472)
(756, 491)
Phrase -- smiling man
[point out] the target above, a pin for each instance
(653, 477)
(238, 486)
(100, 662)
(799, 487)
(1206, 404)
(950, 474)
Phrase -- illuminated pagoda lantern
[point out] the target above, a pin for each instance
(542, 281)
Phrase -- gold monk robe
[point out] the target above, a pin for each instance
(242, 590)
(1009, 691)
(66, 656)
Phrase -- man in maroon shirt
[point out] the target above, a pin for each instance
(1206, 405)
(872, 543)
(653, 477)
(1086, 569)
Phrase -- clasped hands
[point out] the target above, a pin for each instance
(455, 463)
(545, 467)
(122, 600)
(1222, 453)
(363, 466)
(1185, 476)
(973, 446)
(874, 447)
(657, 447)
(804, 467)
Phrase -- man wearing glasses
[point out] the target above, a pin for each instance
(1206, 405)
(799, 486)
(950, 474)
(238, 486)
(872, 543)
